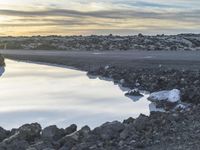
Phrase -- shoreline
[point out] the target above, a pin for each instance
(153, 132)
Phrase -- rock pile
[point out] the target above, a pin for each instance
(158, 131)
(156, 79)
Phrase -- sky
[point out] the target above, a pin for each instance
(101, 17)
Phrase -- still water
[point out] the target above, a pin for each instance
(56, 95)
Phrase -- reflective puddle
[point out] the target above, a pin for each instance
(56, 95)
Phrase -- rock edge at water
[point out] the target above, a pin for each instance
(158, 131)
(155, 79)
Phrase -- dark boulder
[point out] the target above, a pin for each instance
(129, 120)
(41, 145)
(109, 130)
(141, 122)
(3, 134)
(2, 62)
(22, 137)
(29, 132)
(71, 129)
(68, 141)
(52, 133)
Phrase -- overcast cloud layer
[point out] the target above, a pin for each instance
(123, 17)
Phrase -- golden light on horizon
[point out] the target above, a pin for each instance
(64, 17)
(2, 19)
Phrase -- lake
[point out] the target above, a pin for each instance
(49, 94)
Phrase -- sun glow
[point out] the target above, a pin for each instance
(2, 19)
(44, 17)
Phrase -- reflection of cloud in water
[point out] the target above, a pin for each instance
(153, 108)
(124, 89)
(60, 118)
(54, 95)
(92, 76)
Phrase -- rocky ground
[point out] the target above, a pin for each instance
(155, 79)
(104, 43)
(159, 131)
(2, 63)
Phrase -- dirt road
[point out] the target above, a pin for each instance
(86, 59)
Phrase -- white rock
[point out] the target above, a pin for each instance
(180, 106)
(137, 84)
(172, 96)
(122, 81)
(107, 67)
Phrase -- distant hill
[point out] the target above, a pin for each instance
(103, 43)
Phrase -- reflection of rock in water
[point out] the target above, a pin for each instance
(2, 69)
(2, 65)
(92, 77)
(134, 98)
(136, 93)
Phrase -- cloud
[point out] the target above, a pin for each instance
(192, 15)
(52, 22)
(153, 4)
(104, 15)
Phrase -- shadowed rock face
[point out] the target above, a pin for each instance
(158, 131)
(2, 64)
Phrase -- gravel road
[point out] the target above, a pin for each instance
(85, 59)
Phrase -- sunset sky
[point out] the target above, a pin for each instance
(76, 17)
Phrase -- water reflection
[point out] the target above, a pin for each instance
(61, 96)
(2, 70)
